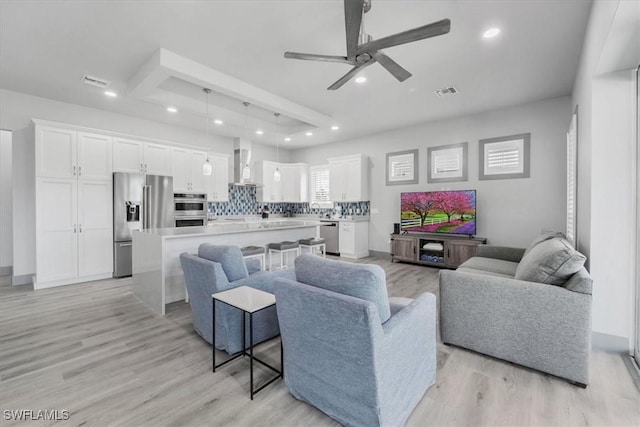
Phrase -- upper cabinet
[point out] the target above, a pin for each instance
(63, 153)
(141, 157)
(293, 184)
(186, 166)
(349, 178)
(218, 183)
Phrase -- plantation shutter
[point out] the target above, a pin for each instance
(446, 163)
(402, 167)
(504, 157)
(572, 169)
(319, 184)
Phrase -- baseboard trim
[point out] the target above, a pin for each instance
(6, 271)
(25, 279)
(633, 368)
(379, 254)
(609, 343)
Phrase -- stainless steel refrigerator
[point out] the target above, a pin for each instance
(139, 201)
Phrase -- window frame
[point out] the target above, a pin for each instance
(312, 200)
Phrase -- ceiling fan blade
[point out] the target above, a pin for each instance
(314, 57)
(391, 66)
(431, 30)
(352, 22)
(355, 70)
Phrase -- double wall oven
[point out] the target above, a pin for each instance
(190, 209)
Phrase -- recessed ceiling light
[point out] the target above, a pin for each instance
(334, 127)
(309, 133)
(361, 79)
(110, 93)
(287, 139)
(172, 109)
(218, 122)
(491, 32)
(259, 132)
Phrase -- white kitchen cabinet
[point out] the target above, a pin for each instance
(64, 153)
(157, 159)
(293, 184)
(186, 166)
(271, 190)
(218, 184)
(349, 178)
(133, 156)
(353, 239)
(74, 238)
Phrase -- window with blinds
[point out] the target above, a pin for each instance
(320, 178)
(505, 157)
(572, 172)
(401, 167)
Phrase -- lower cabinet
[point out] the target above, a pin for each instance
(74, 238)
(438, 251)
(354, 239)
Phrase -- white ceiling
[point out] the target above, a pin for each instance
(46, 48)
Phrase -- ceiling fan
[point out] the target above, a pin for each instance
(363, 50)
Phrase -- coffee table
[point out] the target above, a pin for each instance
(249, 301)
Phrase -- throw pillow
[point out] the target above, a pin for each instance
(552, 261)
(542, 238)
(364, 281)
(230, 257)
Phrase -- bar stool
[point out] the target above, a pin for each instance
(312, 245)
(282, 248)
(255, 252)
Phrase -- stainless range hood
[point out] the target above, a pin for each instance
(242, 163)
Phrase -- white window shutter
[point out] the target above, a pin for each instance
(319, 176)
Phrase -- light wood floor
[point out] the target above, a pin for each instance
(95, 350)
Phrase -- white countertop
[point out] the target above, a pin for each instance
(278, 217)
(231, 227)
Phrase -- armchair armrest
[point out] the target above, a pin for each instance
(504, 253)
(408, 350)
(253, 265)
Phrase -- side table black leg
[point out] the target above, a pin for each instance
(213, 333)
(251, 350)
(281, 359)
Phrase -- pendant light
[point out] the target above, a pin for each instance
(246, 171)
(276, 173)
(207, 169)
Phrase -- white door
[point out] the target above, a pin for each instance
(56, 229)
(636, 351)
(94, 156)
(198, 179)
(127, 156)
(347, 238)
(95, 236)
(180, 170)
(56, 153)
(157, 159)
(290, 182)
(353, 180)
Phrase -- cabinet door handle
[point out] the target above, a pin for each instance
(74, 228)
(79, 170)
(79, 228)
(74, 171)
(145, 168)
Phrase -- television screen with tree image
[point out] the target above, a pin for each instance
(452, 212)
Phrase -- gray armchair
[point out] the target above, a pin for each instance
(361, 358)
(219, 268)
(529, 307)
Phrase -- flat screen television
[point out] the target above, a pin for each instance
(452, 212)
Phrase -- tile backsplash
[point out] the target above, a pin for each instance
(242, 201)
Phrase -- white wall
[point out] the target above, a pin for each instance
(613, 202)
(510, 212)
(6, 205)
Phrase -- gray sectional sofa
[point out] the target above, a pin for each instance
(531, 307)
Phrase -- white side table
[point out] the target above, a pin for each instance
(249, 301)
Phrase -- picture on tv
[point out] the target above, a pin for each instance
(451, 212)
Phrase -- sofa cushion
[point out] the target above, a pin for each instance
(364, 281)
(483, 272)
(552, 261)
(501, 267)
(543, 238)
(230, 257)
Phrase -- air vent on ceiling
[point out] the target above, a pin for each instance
(448, 91)
(95, 81)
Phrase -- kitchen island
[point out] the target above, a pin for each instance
(157, 273)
